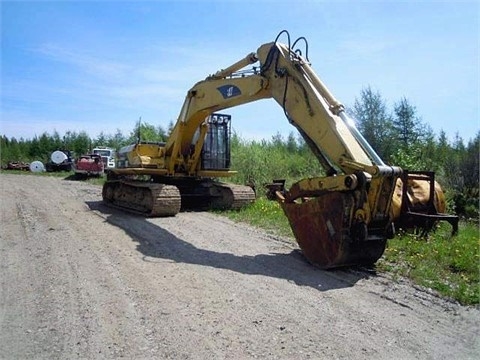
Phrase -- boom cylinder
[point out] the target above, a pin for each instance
(359, 137)
(247, 60)
(322, 89)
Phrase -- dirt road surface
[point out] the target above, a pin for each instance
(80, 280)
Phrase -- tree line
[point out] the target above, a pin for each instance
(398, 135)
(41, 147)
(401, 138)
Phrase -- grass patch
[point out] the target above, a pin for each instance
(66, 175)
(263, 213)
(449, 265)
(62, 174)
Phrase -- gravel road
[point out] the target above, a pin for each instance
(80, 280)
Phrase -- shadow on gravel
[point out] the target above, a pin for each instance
(156, 242)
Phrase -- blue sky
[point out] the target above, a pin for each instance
(99, 66)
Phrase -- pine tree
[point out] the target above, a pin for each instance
(374, 122)
(406, 124)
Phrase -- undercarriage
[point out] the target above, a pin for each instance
(167, 196)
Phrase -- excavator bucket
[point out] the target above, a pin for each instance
(322, 228)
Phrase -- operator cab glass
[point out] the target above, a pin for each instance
(216, 148)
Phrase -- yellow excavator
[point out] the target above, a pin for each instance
(343, 218)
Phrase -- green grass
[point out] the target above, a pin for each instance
(265, 214)
(449, 265)
(67, 175)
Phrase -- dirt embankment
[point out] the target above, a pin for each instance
(79, 280)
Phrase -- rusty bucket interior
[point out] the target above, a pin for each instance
(322, 227)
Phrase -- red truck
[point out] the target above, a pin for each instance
(89, 165)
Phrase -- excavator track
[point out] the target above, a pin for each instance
(232, 196)
(206, 194)
(149, 199)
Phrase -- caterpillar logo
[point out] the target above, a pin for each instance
(229, 91)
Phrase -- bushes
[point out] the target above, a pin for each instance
(259, 162)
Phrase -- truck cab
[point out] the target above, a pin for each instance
(108, 156)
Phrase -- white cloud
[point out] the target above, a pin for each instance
(81, 59)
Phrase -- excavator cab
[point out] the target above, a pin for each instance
(216, 147)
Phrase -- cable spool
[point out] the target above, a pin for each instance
(37, 166)
(58, 157)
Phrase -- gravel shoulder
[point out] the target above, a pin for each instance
(81, 280)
